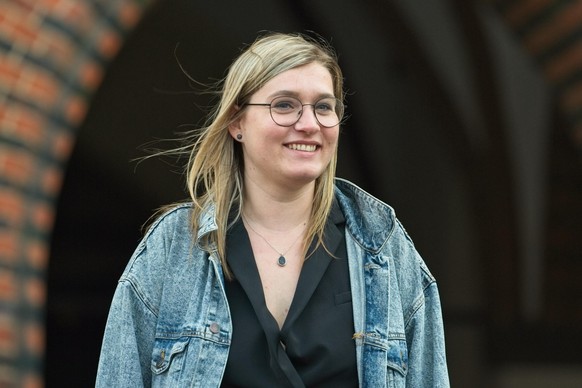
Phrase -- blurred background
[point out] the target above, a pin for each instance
(465, 116)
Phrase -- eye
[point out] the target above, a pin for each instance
(285, 105)
(325, 106)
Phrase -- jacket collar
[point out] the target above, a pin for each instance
(206, 225)
(368, 220)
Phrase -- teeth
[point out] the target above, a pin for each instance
(303, 147)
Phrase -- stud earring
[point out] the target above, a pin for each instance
(239, 136)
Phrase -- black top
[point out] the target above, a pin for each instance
(314, 348)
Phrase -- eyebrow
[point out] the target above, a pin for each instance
(290, 93)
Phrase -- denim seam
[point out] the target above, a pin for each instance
(141, 295)
(396, 336)
(375, 340)
(191, 334)
(416, 306)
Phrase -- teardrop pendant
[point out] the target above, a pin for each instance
(281, 261)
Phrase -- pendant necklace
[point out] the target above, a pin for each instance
(281, 261)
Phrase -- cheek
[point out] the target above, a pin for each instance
(258, 148)
(331, 137)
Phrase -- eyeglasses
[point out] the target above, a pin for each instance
(286, 111)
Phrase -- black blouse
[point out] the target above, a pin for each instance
(314, 348)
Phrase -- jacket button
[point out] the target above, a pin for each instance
(214, 328)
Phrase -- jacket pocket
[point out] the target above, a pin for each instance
(168, 353)
(397, 363)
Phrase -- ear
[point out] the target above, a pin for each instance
(234, 128)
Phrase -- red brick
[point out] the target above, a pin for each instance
(51, 181)
(10, 72)
(59, 47)
(76, 110)
(37, 253)
(21, 123)
(34, 338)
(8, 291)
(78, 13)
(8, 246)
(49, 5)
(29, 126)
(129, 14)
(43, 216)
(25, 34)
(91, 75)
(35, 292)
(25, 5)
(16, 166)
(32, 381)
(30, 82)
(8, 336)
(14, 14)
(11, 207)
(63, 143)
(41, 87)
(109, 43)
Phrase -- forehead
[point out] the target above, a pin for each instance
(304, 81)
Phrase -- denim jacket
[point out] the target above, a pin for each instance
(169, 324)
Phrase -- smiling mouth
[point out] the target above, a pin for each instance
(303, 147)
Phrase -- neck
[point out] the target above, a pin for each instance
(278, 210)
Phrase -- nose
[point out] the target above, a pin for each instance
(307, 120)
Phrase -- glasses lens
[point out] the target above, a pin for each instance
(286, 111)
(328, 111)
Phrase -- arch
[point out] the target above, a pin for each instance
(53, 55)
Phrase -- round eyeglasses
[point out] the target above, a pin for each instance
(286, 111)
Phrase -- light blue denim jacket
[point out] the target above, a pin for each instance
(169, 324)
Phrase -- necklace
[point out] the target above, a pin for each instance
(281, 261)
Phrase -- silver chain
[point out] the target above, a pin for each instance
(281, 261)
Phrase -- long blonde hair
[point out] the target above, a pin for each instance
(215, 169)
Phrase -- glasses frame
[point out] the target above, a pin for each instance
(339, 105)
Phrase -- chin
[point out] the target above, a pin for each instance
(305, 174)
(307, 177)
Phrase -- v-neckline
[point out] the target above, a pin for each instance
(241, 261)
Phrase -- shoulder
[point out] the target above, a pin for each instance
(170, 231)
(169, 218)
(167, 245)
(167, 263)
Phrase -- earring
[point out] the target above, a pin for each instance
(239, 136)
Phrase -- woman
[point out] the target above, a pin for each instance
(276, 274)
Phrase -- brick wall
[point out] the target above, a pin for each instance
(53, 54)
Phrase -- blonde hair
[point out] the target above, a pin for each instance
(215, 170)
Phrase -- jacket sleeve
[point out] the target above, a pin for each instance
(128, 340)
(425, 337)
